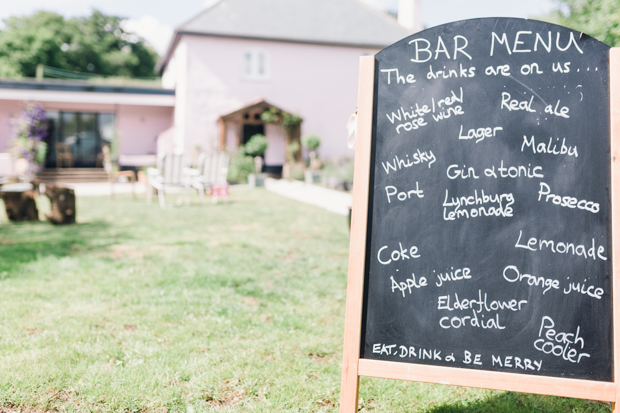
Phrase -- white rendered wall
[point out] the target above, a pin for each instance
(176, 77)
(276, 149)
(8, 110)
(231, 139)
(138, 127)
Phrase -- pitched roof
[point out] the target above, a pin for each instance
(258, 103)
(330, 22)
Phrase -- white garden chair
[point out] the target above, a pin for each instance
(167, 177)
(211, 171)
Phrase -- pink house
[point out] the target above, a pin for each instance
(223, 68)
(300, 56)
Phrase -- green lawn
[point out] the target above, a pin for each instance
(233, 307)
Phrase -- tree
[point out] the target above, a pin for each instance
(597, 18)
(96, 45)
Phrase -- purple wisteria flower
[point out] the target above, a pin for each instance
(29, 132)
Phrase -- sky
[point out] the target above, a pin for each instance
(156, 20)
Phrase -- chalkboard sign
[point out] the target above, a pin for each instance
(486, 227)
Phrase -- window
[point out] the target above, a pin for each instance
(256, 64)
(84, 132)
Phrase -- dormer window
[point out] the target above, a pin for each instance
(256, 64)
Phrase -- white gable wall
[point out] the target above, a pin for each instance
(319, 83)
(138, 127)
(275, 153)
(175, 77)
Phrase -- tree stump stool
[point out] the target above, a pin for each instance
(19, 202)
(63, 204)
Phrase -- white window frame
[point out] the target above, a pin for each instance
(251, 61)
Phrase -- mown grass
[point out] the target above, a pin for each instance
(227, 308)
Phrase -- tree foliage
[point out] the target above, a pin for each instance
(597, 18)
(96, 44)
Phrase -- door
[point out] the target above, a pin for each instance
(79, 131)
(83, 132)
(251, 130)
(88, 143)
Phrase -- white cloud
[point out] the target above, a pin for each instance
(152, 30)
(208, 3)
(383, 4)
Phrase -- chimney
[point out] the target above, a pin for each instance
(410, 15)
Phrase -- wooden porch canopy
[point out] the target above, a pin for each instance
(247, 115)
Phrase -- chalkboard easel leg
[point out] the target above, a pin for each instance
(614, 109)
(349, 395)
(349, 390)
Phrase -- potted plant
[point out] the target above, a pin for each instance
(293, 169)
(312, 143)
(338, 174)
(256, 147)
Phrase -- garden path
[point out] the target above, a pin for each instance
(329, 199)
(103, 188)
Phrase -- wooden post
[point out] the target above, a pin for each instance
(63, 204)
(19, 202)
(222, 126)
(614, 113)
(239, 132)
(357, 247)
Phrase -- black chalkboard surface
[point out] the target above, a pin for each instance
(489, 239)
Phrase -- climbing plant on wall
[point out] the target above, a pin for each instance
(289, 122)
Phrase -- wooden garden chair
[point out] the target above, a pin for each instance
(63, 155)
(114, 174)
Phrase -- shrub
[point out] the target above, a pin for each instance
(30, 129)
(312, 142)
(296, 171)
(291, 150)
(257, 145)
(339, 173)
(241, 166)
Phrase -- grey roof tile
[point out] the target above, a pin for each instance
(341, 22)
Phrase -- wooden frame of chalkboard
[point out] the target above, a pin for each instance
(354, 365)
